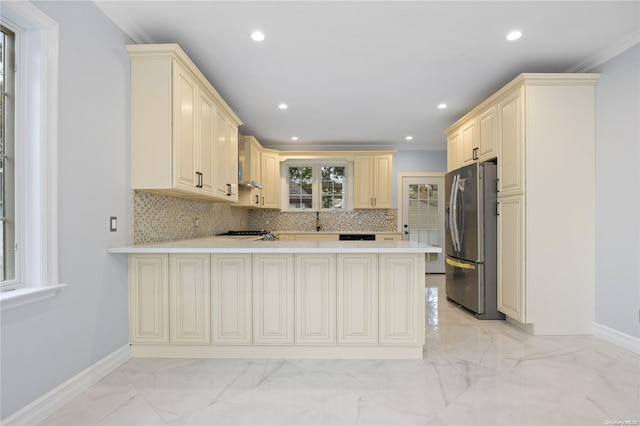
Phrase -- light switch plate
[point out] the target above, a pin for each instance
(113, 224)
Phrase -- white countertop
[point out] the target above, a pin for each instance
(232, 245)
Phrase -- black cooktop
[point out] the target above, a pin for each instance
(262, 232)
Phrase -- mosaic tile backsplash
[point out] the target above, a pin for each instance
(158, 218)
(346, 221)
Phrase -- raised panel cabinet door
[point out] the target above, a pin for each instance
(487, 135)
(357, 299)
(221, 153)
(363, 181)
(230, 162)
(149, 298)
(270, 174)
(468, 135)
(511, 173)
(231, 283)
(382, 177)
(206, 132)
(511, 263)
(185, 150)
(315, 291)
(401, 299)
(190, 298)
(454, 152)
(273, 299)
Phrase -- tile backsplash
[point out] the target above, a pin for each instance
(343, 221)
(158, 217)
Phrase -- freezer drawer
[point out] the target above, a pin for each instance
(465, 284)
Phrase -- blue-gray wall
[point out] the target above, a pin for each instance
(46, 343)
(618, 193)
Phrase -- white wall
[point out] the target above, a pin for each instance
(46, 343)
(417, 161)
(618, 193)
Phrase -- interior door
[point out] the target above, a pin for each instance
(423, 216)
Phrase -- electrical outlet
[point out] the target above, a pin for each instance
(267, 221)
(389, 217)
(197, 222)
(113, 224)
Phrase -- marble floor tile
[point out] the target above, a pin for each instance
(472, 373)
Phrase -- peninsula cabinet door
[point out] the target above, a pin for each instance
(315, 293)
(357, 299)
(231, 299)
(149, 298)
(273, 299)
(189, 285)
(401, 299)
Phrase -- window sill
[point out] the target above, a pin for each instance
(23, 296)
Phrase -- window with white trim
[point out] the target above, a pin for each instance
(8, 270)
(34, 157)
(317, 185)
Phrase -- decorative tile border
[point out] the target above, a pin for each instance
(347, 221)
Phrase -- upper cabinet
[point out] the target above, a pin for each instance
(372, 181)
(184, 137)
(473, 138)
(270, 176)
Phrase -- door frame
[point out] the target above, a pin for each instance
(400, 203)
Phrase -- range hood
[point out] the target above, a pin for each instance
(246, 158)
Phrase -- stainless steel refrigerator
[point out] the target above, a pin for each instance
(471, 239)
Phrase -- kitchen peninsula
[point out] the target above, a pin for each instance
(220, 298)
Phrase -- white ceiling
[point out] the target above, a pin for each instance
(365, 74)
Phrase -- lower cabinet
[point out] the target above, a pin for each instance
(231, 299)
(189, 299)
(401, 299)
(315, 292)
(358, 299)
(149, 298)
(309, 304)
(273, 301)
(511, 243)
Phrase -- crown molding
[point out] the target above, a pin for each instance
(114, 12)
(603, 55)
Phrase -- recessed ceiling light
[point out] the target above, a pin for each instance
(283, 106)
(257, 36)
(409, 138)
(442, 106)
(514, 35)
(294, 138)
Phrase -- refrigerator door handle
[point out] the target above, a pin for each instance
(454, 214)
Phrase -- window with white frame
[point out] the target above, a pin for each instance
(29, 143)
(7, 158)
(317, 185)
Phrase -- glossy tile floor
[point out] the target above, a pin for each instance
(473, 373)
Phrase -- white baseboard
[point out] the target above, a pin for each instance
(617, 338)
(52, 401)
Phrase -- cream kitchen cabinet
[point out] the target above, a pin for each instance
(316, 237)
(357, 299)
(389, 237)
(511, 239)
(372, 181)
(231, 299)
(472, 139)
(315, 294)
(454, 151)
(189, 299)
(226, 151)
(249, 158)
(178, 125)
(546, 197)
(273, 299)
(401, 306)
(149, 298)
(270, 179)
